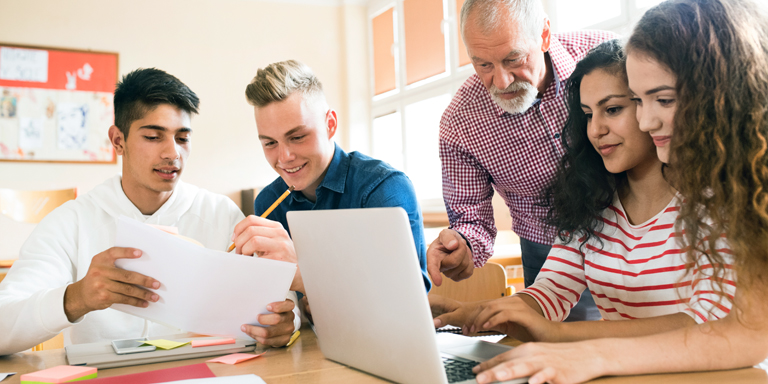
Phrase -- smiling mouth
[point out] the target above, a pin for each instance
(293, 170)
(661, 141)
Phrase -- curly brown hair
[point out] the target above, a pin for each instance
(719, 149)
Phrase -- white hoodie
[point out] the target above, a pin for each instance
(59, 252)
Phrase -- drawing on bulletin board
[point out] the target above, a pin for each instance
(56, 104)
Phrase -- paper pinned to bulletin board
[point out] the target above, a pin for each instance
(56, 104)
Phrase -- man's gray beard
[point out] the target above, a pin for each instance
(520, 103)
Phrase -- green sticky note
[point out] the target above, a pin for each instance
(165, 344)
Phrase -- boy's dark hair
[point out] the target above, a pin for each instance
(144, 89)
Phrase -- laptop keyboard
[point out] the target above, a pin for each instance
(458, 370)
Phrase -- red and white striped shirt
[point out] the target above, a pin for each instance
(639, 272)
(483, 147)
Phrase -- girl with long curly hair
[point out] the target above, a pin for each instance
(699, 73)
(615, 213)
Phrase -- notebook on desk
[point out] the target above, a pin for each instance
(369, 307)
(101, 355)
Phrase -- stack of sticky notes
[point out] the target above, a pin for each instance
(165, 344)
(60, 374)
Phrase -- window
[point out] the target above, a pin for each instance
(421, 41)
(614, 15)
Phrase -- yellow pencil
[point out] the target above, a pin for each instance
(293, 338)
(270, 209)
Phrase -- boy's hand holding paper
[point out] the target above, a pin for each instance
(203, 291)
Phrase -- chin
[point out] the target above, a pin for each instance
(663, 155)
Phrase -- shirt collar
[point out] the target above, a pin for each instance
(336, 177)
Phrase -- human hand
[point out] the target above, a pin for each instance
(105, 284)
(305, 304)
(447, 311)
(279, 325)
(560, 363)
(449, 254)
(268, 239)
(514, 317)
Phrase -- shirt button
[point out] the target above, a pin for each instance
(557, 135)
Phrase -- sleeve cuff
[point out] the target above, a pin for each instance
(296, 311)
(52, 316)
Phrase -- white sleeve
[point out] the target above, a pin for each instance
(32, 294)
(560, 282)
(296, 311)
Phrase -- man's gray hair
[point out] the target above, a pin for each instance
(277, 81)
(528, 14)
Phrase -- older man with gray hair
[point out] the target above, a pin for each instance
(502, 131)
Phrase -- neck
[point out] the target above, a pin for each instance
(549, 76)
(147, 201)
(646, 192)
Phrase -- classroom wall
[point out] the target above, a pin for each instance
(215, 47)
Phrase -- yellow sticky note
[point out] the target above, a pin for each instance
(165, 344)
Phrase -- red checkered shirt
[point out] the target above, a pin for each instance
(482, 147)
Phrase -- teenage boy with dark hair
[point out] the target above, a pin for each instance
(66, 278)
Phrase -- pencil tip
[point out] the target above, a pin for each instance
(291, 188)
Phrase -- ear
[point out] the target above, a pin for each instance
(331, 123)
(546, 36)
(117, 139)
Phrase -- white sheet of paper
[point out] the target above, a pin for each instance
(202, 290)
(3, 376)
(72, 125)
(241, 379)
(31, 132)
(23, 64)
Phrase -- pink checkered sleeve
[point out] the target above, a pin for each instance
(467, 193)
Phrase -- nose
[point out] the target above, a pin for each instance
(596, 128)
(646, 121)
(502, 78)
(285, 154)
(170, 149)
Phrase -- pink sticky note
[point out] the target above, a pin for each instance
(234, 358)
(59, 374)
(209, 342)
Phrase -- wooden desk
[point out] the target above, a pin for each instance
(304, 363)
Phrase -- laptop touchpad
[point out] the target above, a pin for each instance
(479, 351)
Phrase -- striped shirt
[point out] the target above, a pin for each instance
(483, 147)
(639, 272)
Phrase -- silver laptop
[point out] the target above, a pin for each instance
(368, 301)
(102, 355)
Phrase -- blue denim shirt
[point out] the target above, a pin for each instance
(353, 180)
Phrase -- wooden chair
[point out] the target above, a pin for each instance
(31, 207)
(488, 282)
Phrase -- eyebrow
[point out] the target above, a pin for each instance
(289, 133)
(164, 129)
(514, 52)
(659, 89)
(605, 100)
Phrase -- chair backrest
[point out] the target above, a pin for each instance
(486, 283)
(32, 206)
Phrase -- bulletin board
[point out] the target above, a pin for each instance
(56, 104)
